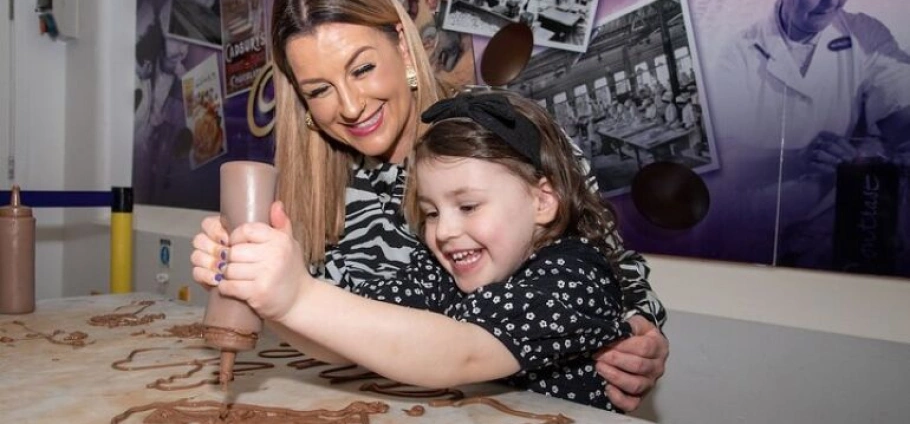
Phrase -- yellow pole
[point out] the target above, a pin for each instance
(122, 240)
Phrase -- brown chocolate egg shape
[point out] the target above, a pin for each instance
(670, 195)
(506, 54)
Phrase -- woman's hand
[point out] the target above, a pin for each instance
(632, 366)
(209, 252)
(264, 266)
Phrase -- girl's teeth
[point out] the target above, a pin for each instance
(460, 256)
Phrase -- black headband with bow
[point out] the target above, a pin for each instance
(495, 113)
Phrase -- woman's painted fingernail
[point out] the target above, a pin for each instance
(223, 242)
(222, 265)
(218, 278)
(224, 255)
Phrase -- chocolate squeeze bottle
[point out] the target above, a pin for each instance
(247, 192)
(17, 257)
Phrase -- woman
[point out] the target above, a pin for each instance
(352, 82)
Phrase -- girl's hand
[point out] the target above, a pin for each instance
(209, 252)
(265, 266)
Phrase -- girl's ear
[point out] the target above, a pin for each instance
(547, 202)
(403, 46)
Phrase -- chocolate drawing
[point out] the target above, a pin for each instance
(126, 319)
(187, 412)
(76, 339)
(196, 365)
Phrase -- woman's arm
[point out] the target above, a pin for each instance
(638, 297)
(633, 365)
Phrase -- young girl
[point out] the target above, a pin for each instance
(514, 279)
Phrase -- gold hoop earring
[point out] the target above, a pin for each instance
(308, 119)
(411, 76)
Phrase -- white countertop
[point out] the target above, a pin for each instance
(47, 380)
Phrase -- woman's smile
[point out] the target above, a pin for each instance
(368, 126)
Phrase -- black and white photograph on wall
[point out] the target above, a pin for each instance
(197, 21)
(810, 102)
(451, 52)
(560, 24)
(632, 98)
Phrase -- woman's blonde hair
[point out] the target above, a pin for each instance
(313, 171)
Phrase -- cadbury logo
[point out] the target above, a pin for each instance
(257, 102)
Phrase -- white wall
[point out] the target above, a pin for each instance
(6, 43)
(71, 101)
(37, 85)
(749, 344)
(99, 130)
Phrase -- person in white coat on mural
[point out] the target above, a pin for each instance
(799, 89)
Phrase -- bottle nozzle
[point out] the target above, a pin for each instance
(15, 208)
(14, 199)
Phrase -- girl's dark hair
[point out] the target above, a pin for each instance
(581, 212)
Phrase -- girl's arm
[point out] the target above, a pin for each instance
(403, 344)
(533, 321)
(306, 345)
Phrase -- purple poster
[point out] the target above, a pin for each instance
(187, 120)
(802, 115)
(810, 102)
